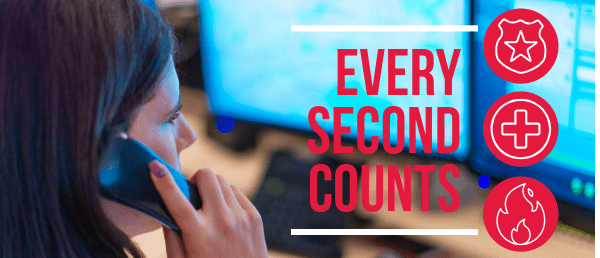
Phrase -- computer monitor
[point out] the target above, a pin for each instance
(150, 3)
(256, 69)
(568, 171)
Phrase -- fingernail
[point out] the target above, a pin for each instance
(156, 169)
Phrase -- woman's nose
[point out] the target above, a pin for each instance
(187, 135)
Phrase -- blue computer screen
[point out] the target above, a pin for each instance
(256, 69)
(150, 3)
(568, 87)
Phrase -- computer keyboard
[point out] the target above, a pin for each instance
(284, 204)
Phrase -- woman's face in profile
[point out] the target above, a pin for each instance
(161, 127)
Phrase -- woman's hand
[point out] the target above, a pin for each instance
(227, 225)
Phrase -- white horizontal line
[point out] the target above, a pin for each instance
(376, 232)
(384, 28)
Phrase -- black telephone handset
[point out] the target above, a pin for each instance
(124, 177)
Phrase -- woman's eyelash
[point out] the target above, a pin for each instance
(174, 116)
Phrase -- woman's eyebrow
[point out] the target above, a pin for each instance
(177, 106)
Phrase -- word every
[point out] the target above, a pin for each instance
(372, 85)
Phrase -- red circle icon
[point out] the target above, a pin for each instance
(520, 46)
(520, 129)
(520, 214)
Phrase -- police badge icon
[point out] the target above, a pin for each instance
(520, 49)
(520, 46)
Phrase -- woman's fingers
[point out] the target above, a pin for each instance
(228, 194)
(184, 214)
(209, 190)
(247, 205)
(242, 199)
(174, 243)
(220, 230)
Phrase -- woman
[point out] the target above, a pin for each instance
(70, 70)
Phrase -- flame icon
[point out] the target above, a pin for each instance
(523, 212)
(514, 216)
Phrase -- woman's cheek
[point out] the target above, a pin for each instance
(167, 149)
(161, 142)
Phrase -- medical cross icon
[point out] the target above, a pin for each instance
(520, 129)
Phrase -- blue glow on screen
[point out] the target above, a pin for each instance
(569, 86)
(256, 69)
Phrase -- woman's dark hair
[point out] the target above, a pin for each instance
(70, 70)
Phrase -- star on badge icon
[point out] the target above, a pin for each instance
(518, 47)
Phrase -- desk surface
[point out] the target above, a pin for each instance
(246, 171)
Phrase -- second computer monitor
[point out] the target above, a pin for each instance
(569, 170)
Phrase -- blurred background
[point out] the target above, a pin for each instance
(248, 84)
